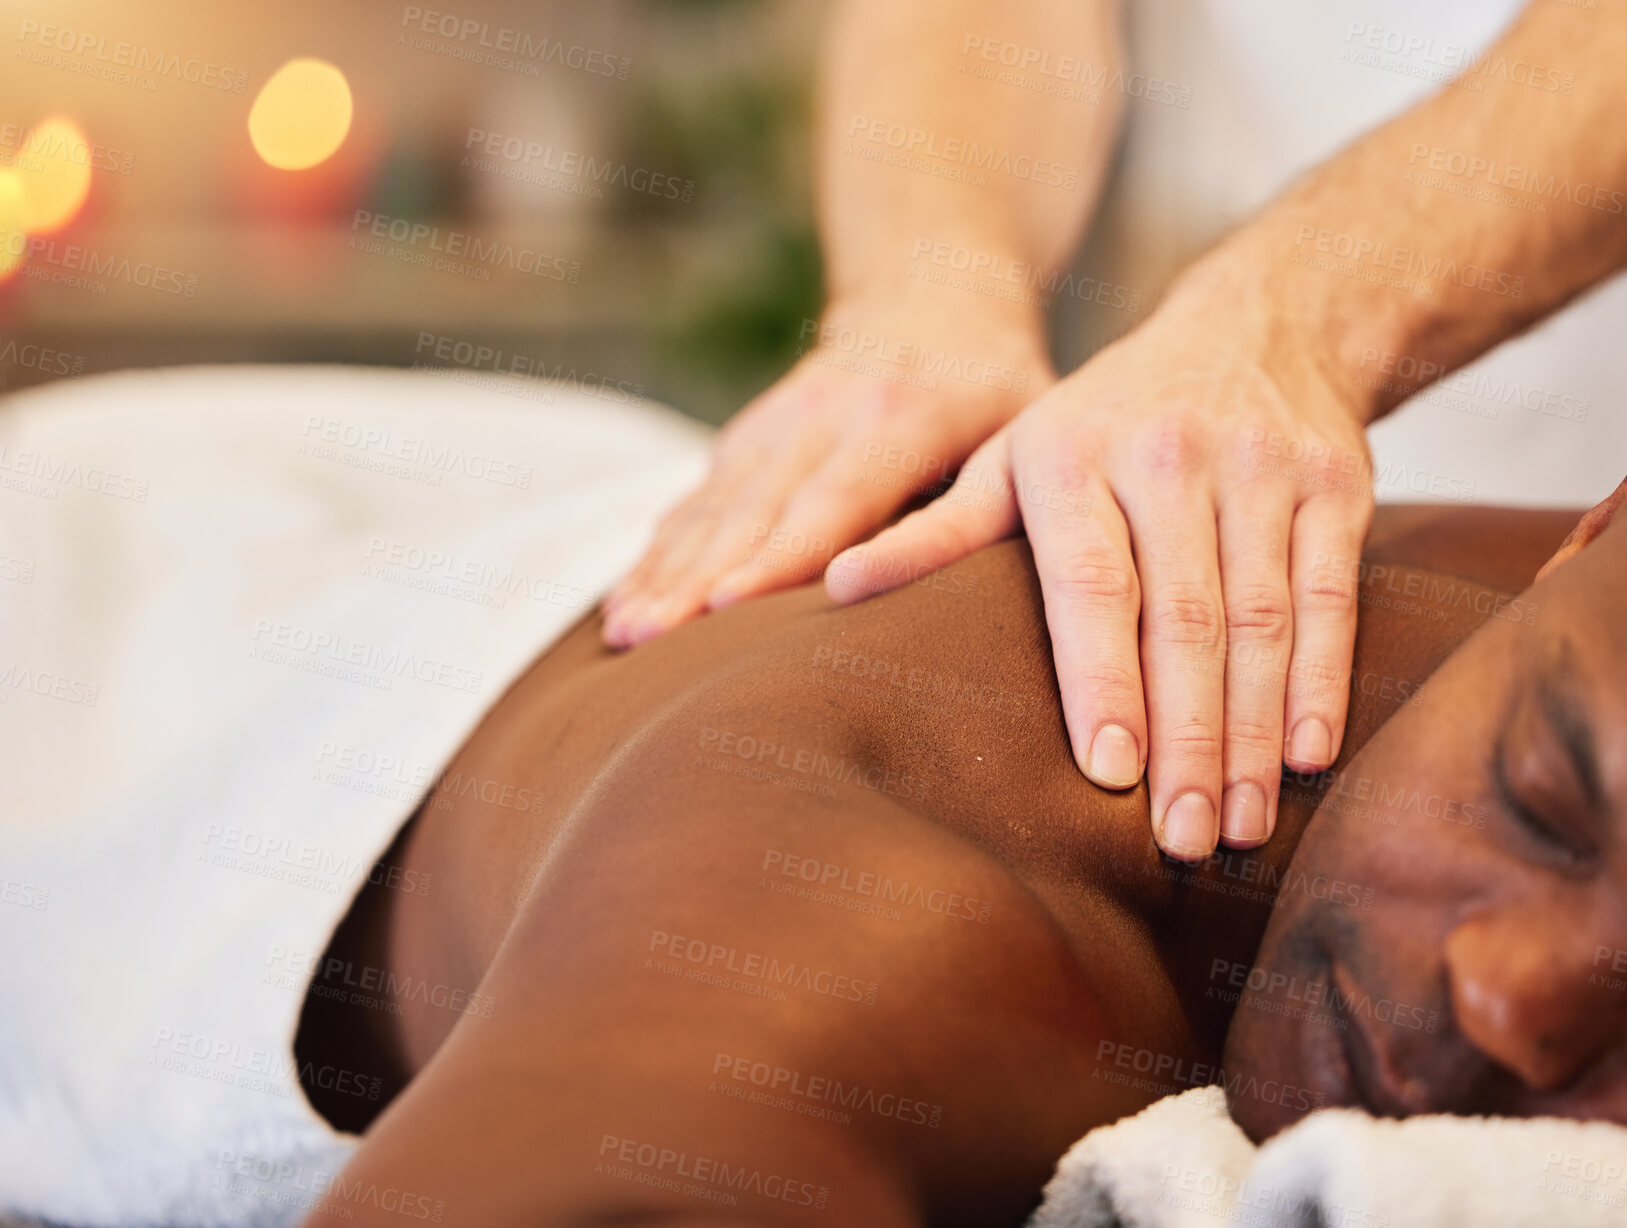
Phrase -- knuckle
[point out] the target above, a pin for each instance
(1261, 612)
(1067, 455)
(1112, 687)
(1192, 741)
(880, 402)
(1189, 615)
(1323, 459)
(1326, 594)
(1173, 446)
(1091, 584)
(1329, 584)
(1254, 740)
(1063, 477)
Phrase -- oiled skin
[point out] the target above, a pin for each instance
(1013, 1022)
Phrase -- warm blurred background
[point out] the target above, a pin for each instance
(617, 189)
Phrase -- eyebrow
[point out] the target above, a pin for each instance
(1566, 712)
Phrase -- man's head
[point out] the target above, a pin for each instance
(1490, 974)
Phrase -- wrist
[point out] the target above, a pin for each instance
(941, 335)
(957, 274)
(1268, 282)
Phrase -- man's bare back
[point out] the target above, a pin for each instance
(802, 911)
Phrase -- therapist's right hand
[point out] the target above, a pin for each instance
(1196, 497)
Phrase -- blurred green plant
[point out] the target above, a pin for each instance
(730, 326)
(742, 336)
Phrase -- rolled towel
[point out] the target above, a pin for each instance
(1485, 1172)
(1183, 1162)
(1130, 1173)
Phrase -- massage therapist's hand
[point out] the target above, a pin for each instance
(1196, 497)
(885, 404)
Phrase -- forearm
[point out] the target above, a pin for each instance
(1457, 224)
(918, 150)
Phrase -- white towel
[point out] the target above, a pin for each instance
(247, 615)
(1183, 1163)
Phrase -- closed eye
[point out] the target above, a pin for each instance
(1558, 837)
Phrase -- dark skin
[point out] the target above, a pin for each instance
(1053, 973)
(1502, 854)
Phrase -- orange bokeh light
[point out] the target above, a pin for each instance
(13, 236)
(301, 115)
(53, 166)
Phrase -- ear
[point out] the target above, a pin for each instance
(1587, 528)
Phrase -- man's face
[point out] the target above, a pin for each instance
(1490, 821)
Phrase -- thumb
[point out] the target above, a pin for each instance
(978, 510)
(1596, 521)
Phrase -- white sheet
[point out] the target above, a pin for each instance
(246, 616)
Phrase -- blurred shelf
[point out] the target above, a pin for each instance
(230, 278)
(314, 294)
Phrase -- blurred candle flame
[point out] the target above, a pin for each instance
(54, 169)
(301, 115)
(13, 237)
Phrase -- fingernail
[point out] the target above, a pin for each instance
(726, 592)
(1311, 745)
(1115, 760)
(618, 627)
(1189, 830)
(846, 570)
(634, 623)
(848, 560)
(1242, 814)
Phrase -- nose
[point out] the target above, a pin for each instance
(1529, 990)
